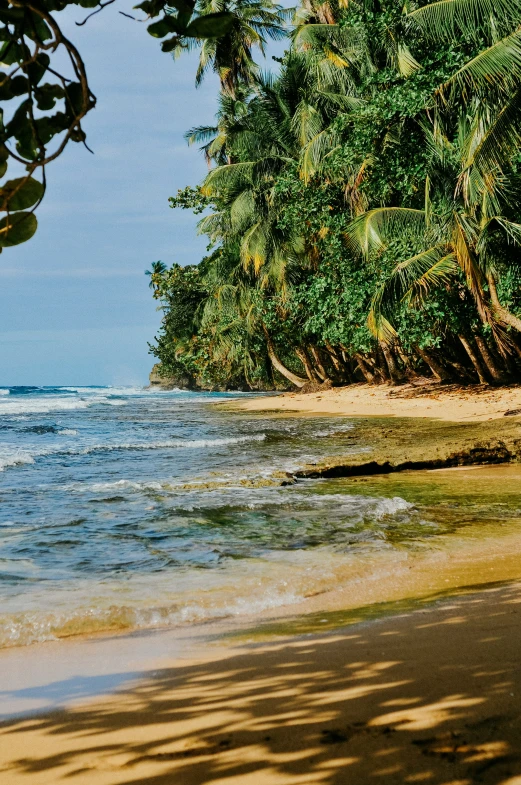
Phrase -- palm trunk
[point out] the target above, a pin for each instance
(280, 367)
(304, 359)
(364, 368)
(503, 313)
(474, 359)
(496, 374)
(438, 371)
(320, 368)
(334, 358)
(394, 373)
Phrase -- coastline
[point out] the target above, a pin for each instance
(425, 696)
(451, 403)
(408, 428)
(396, 680)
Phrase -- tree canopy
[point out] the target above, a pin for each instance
(361, 207)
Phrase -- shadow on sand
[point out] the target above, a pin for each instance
(429, 697)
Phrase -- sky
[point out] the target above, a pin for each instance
(75, 308)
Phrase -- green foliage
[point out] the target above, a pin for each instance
(364, 203)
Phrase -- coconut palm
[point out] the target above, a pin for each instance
(453, 241)
(231, 55)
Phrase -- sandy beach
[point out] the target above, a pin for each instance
(430, 696)
(363, 400)
(410, 678)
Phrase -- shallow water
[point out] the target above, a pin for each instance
(126, 508)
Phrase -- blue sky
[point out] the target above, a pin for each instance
(75, 307)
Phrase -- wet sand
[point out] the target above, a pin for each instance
(363, 400)
(395, 690)
(430, 696)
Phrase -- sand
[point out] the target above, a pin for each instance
(424, 696)
(431, 696)
(362, 400)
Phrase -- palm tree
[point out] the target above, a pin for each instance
(158, 268)
(218, 139)
(231, 56)
(452, 241)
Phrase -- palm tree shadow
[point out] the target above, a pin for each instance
(426, 697)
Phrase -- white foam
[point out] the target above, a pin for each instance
(4, 392)
(46, 404)
(188, 444)
(18, 457)
(392, 506)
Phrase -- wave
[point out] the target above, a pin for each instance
(19, 457)
(33, 627)
(4, 391)
(247, 587)
(45, 405)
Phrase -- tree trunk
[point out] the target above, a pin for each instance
(364, 368)
(496, 374)
(503, 313)
(304, 359)
(334, 358)
(394, 372)
(342, 369)
(438, 371)
(298, 381)
(474, 359)
(320, 368)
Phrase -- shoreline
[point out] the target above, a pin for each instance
(427, 695)
(407, 428)
(464, 404)
(411, 676)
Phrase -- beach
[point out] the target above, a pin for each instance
(389, 655)
(429, 696)
(472, 404)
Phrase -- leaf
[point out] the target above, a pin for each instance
(210, 25)
(166, 25)
(47, 95)
(12, 87)
(151, 7)
(170, 44)
(37, 68)
(20, 194)
(11, 52)
(17, 228)
(443, 19)
(373, 230)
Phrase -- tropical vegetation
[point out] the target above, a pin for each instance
(362, 205)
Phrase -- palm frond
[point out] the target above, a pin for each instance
(497, 68)
(372, 231)
(446, 18)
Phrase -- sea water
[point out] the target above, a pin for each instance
(128, 508)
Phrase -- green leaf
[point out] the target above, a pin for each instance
(210, 25)
(17, 228)
(37, 29)
(74, 95)
(170, 44)
(11, 88)
(10, 53)
(47, 95)
(37, 69)
(151, 7)
(20, 194)
(168, 24)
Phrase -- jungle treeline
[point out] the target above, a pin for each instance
(362, 204)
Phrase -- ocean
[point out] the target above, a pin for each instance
(128, 508)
